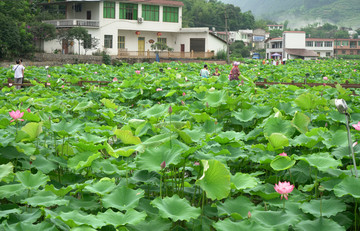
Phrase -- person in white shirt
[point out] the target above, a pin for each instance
(205, 72)
(19, 73)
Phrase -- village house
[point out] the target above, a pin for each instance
(275, 27)
(130, 27)
(346, 46)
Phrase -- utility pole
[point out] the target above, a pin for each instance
(227, 39)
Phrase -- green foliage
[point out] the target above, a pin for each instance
(238, 49)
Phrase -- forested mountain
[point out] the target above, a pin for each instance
(203, 13)
(303, 12)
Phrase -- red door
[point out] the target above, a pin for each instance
(182, 49)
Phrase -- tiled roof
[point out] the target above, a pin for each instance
(157, 2)
(302, 32)
(278, 38)
(302, 52)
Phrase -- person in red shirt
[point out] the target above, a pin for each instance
(235, 72)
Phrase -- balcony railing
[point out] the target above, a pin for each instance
(73, 23)
(164, 54)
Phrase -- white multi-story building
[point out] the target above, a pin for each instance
(292, 45)
(125, 26)
(323, 47)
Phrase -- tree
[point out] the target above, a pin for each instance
(90, 43)
(238, 48)
(276, 33)
(81, 35)
(78, 33)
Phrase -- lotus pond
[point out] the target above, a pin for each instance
(166, 150)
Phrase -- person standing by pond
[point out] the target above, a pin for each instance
(205, 72)
(19, 73)
(216, 73)
(235, 72)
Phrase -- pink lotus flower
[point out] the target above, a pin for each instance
(196, 163)
(49, 76)
(170, 110)
(324, 84)
(183, 94)
(16, 115)
(283, 154)
(182, 103)
(163, 165)
(249, 215)
(158, 89)
(169, 68)
(28, 110)
(355, 70)
(357, 126)
(284, 188)
(95, 72)
(354, 144)
(48, 84)
(325, 78)
(137, 72)
(10, 84)
(62, 86)
(115, 79)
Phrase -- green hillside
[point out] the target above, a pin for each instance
(302, 12)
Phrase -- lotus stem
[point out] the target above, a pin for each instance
(350, 144)
(283, 205)
(160, 184)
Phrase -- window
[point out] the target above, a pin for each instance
(309, 44)
(359, 43)
(318, 53)
(109, 9)
(128, 11)
(358, 52)
(170, 14)
(343, 52)
(108, 39)
(161, 40)
(328, 44)
(150, 13)
(87, 42)
(335, 51)
(351, 52)
(121, 42)
(318, 44)
(338, 43)
(345, 43)
(328, 54)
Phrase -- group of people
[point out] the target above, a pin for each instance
(19, 73)
(234, 73)
(274, 62)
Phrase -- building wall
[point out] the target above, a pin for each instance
(294, 40)
(89, 6)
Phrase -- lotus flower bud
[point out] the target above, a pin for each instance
(163, 165)
(170, 110)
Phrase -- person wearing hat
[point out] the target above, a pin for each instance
(235, 72)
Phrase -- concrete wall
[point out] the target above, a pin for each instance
(89, 6)
(294, 40)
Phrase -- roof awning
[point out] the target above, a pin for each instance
(301, 52)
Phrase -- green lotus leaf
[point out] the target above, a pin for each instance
(135, 123)
(65, 129)
(86, 203)
(245, 115)
(5, 213)
(109, 103)
(32, 181)
(306, 101)
(21, 226)
(301, 122)
(83, 106)
(31, 117)
(122, 198)
(78, 218)
(158, 110)
(28, 149)
(43, 164)
(329, 207)
(322, 161)
(278, 140)
(275, 220)
(6, 170)
(82, 160)
(215, 180)
(130, 94)
(348, 186)
(125, 151)
(6, 191)
(338, 138)
(337, 116)
(44, 199)
(83, 228)
(277, 125)
(59, 192)
(200, 117)
(281, 163)
(101, 187)
(320, 224)
(240, 205)
(33, 130)
(266, 191)
(117, 218)
(242, 181)
(216, 98)
(127, 137)
(226, 137)
(30, 216)
(229, 225)
(262, 111)
(157, 223)
(191, 136)
(152, 158)
(90, 138)
(175, 208)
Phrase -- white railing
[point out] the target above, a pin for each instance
(123, 53)
(73, 23)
